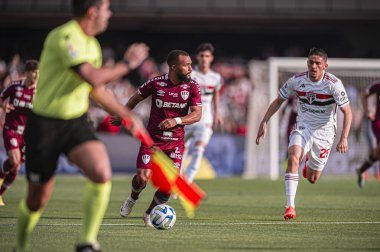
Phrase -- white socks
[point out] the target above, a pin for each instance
(195, 162)
(291, 183)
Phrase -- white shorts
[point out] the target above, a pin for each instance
(318, 149)
(197, 132)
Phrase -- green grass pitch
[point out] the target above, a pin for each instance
(237, 215)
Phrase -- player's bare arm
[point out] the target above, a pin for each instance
(273, 108)
(131, 104)
(134, 56)
(218, 120)
(342, 146)
(193, 117)
(110, 103)
(6, 106)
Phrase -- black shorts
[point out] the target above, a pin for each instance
(47, 138)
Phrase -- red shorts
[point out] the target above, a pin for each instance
(12, 141)
(143, 157)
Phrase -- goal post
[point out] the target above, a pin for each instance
(267, 77)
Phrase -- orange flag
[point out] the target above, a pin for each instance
(166, 176)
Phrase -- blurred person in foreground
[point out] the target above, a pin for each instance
(70, 71)
(17, 102)
(374, 156)
(319, 94)
(210, 83)
(176, 102)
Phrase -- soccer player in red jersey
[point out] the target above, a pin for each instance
(172, 96)
(374, 156)
(20, 94)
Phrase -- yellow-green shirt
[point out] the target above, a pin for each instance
(61, 92)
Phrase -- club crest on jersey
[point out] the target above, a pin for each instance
(310, 97)
(145, 158)
(185, 94)
(18, 94)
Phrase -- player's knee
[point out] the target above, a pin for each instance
(293, 162)
(143, 177)
(36, 204)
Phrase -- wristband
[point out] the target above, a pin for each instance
(178, 120)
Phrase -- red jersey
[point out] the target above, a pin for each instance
(169, 101)
(375, 89)
(21, 98)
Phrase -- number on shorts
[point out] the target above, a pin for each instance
(324, 153)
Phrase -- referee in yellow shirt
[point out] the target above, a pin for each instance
(70, 71)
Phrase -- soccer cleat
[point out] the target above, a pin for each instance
(361, 180)
(147, 221)
(126, 207)
(304, 172)
(88, 247)
(304, 169)
(290, 213)
(2, 201)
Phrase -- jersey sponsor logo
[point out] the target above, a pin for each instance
(310, 97)
(22, 104)
(185, 94)
(28, 97)
(160, 92)
(13, 142)
(175, 95)
(167, 134)
(317, 111)
(302, 86)
(18, 94)
(161, 104)
(175, 155)
(19, 88)
(73, 53)
(145, 158)
(162, 84)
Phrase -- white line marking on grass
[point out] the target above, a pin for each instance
(221, 223)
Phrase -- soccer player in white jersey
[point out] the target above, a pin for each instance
(319, 94)
(201, 132)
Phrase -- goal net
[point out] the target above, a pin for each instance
(269, 158)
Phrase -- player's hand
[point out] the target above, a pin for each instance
(115, 121)
(371, 116)
(218, 119)
(8, 108)
(136, 54)
(342, 146)
(262, 132)
(167, 124)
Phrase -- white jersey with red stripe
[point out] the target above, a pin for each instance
(317, 101)
(209, 83)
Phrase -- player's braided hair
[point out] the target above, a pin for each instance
(80, 7)
(31, 65)
(318, 51)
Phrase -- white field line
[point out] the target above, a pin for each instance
(220, 223)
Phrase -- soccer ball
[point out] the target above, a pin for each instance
(162, 216)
